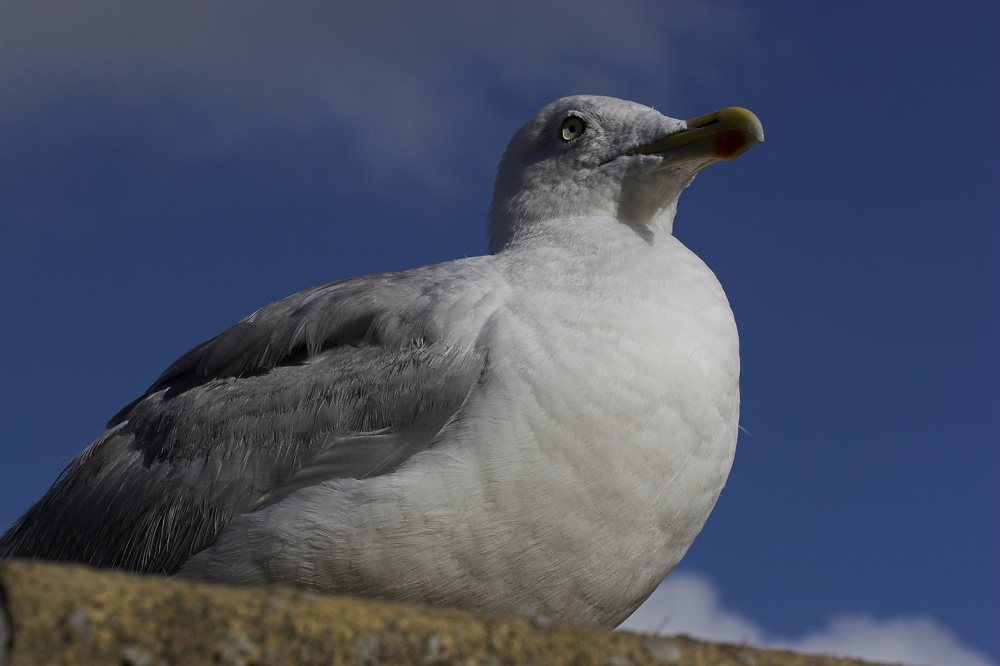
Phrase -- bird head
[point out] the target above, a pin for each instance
(591, 156)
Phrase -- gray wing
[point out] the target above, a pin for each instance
(342, 380)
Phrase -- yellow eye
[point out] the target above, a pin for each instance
(572, 128)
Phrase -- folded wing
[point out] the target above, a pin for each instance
(347, 379)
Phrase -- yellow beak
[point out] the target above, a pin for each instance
(721, 135)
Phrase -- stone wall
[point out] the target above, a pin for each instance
(59, 614)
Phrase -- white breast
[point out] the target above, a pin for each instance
(617, 371)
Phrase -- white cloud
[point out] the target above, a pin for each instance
(688, 603)
(910, 640)
(403, 87)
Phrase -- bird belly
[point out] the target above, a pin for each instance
(620, 437)
(572, 481)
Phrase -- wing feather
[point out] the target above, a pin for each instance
(347, 379)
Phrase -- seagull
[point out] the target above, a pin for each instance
(541, 430)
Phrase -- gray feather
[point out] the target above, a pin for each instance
(336, 381)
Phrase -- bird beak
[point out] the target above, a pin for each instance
(722, 135)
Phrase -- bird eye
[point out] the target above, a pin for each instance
(572, 128)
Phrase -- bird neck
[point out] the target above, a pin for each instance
(509, 228)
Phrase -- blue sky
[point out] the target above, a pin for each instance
(167, 169)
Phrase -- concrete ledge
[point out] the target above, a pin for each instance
(59, 614)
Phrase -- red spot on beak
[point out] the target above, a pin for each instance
(727, 145)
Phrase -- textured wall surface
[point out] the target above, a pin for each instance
(58, 614)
